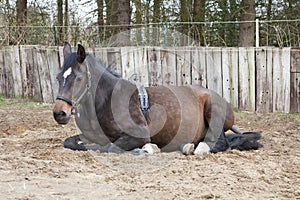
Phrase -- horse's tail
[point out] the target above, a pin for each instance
(244, 141)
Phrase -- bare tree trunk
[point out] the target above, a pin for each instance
(59, 21)
(156, 19)
(184, 16)
(124, 22)
(199, 16)
(21, 20)
(269, 11)
(66, 21)
(100, 20)
(138, 15)
(112, 17)
(246, 36)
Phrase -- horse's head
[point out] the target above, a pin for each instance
(72, 83)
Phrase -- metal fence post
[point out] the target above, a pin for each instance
(166, 33)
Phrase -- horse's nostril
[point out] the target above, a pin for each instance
(62, 113)
(59, 114)
(61, 117)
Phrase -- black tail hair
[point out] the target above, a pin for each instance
(245, 141)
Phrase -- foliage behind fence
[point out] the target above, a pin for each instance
(255, 79)
(280, 33)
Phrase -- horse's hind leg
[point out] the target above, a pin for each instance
(221, 145)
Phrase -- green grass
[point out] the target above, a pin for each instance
(19, 103)
(280, 116)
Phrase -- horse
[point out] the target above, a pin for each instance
(116, 115)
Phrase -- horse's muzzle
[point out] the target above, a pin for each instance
(61, 117)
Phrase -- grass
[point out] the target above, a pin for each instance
(19, 103)
(286, 117)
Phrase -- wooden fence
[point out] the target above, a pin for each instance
(262, 79)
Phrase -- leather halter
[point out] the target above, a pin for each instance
(72, 103)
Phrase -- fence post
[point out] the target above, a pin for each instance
(166, 34)
(257, 32)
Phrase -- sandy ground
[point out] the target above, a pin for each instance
(34, 164)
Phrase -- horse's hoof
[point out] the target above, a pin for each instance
(151, 148)
(202, 149)
(187, 149)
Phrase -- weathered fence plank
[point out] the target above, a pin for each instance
(3, 89)
(246, 79)
(141, 65)
(155, 71)
(295, 80)
(8, 69)
(226, 75)
(295, 60)
(183, 66)
(214, 69)
(100, 54)
(26, 67)
(198, 63)
(269, 81)
(281, 80)
(168, 63)
(234, 77)
(295, 92)
(128, 65)
(44, 73)
(261, 80)
(114, 59)
(14, 65)
(52, 55)
(35, 74)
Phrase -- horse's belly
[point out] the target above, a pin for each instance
(176, 118)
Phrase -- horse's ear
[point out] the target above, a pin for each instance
(67, 49)
(80, 53)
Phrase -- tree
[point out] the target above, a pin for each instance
(156, 19)
(246, 35)
(100, 19)
(21, 19)
(111, 17)
(66, 20)
(124, 22)
(138, 19)
(59, 21)
(199, 16)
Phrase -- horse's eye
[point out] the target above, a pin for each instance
(79, 79)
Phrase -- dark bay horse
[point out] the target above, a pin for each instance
(108, 113)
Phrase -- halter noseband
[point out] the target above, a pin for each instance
(74, 104)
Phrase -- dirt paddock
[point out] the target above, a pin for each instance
(34, 164)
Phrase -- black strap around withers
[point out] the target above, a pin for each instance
(144, 102)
